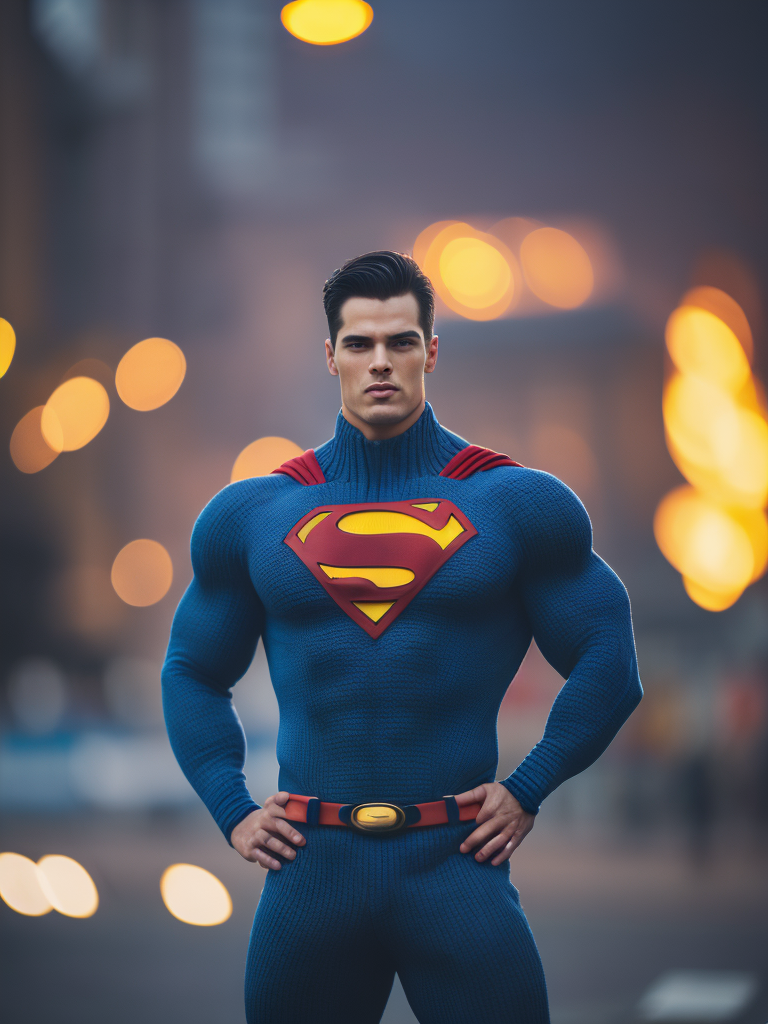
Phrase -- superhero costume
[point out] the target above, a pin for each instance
(389, 683)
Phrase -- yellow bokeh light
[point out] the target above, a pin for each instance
(29, 450)
(481, 274)
(556, 268)
(150, 374)
(142, 573)
(755, 523)
(703, 542)
(710, 599)
(68, 886)
(7, 345)
(261, 457)
(718, 445)
(426, 238)
(74, 414)
(20, 885)
(726, 309)
(194, 895)
(702, 345)
(326, 22)
(474, 272)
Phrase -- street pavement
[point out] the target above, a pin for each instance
(610, 916)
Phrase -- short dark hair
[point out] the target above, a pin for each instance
(379, 275)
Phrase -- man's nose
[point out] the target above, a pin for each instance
(380, 361)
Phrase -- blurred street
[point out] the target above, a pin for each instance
(608, 918)
(584, 184)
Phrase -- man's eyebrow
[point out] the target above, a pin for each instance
(390, 337)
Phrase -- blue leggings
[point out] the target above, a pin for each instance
(333, 927)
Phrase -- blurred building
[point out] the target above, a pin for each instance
(185, 169)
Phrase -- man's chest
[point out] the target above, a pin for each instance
(369, 561)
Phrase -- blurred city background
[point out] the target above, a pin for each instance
(585, 184)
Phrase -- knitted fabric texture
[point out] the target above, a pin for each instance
(410, 716)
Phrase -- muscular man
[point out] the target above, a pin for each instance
(397, 576)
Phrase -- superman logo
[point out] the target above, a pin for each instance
(373, 559)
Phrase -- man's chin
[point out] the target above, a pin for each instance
(382, 413)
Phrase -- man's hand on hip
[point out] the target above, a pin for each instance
(502, 824)
(265, 831)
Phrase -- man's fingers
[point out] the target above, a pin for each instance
(281, 799)
(507, 850)
(494, 844)
(472, 796)
(262, 858)
(278, 846)
(275, 811)
(481, 834)
(286, 829)
(513, 843)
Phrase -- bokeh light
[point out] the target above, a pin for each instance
(326, 22)
(194, 895)
(74, 414)
(724, 308)
(29, 449)
(718, 445)
(142, 573)
(95, 368)
(263, 456)
(426, 238)
(703, 542)
(755, 524)
(68, 886)
(556, 267)
(20, 885)
(702, 345)
(474, 273)
(150, 374)
(7, 345)
(711, 600)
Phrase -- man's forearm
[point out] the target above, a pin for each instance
(589, 710)
(208, 741)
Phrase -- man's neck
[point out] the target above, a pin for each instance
(382, 431)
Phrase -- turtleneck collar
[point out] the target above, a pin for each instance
(422, 450)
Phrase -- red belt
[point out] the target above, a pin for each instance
(378, 816)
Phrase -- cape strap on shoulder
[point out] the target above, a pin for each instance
(474, 459)
(305, 469)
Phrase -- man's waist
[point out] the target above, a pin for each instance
(381, 816)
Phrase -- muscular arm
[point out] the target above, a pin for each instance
(579, 612)
(213, 638)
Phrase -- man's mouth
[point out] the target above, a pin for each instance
(381, 389)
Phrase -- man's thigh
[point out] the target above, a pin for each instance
(464, 951)
(314, 957)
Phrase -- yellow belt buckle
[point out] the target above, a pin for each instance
(377, 818)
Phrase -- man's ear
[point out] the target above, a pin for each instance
(329, 358)
(429, 365)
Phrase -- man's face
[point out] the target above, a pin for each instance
(380, 359)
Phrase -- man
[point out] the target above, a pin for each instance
(397, 576)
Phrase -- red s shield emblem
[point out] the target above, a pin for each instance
(373, 559)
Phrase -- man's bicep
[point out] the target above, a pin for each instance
(578, 611)
(215, 631)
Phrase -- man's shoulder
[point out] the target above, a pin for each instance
(545, 514)
(525, 485)
(231, 507)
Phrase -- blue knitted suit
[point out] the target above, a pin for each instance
(407, 717)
